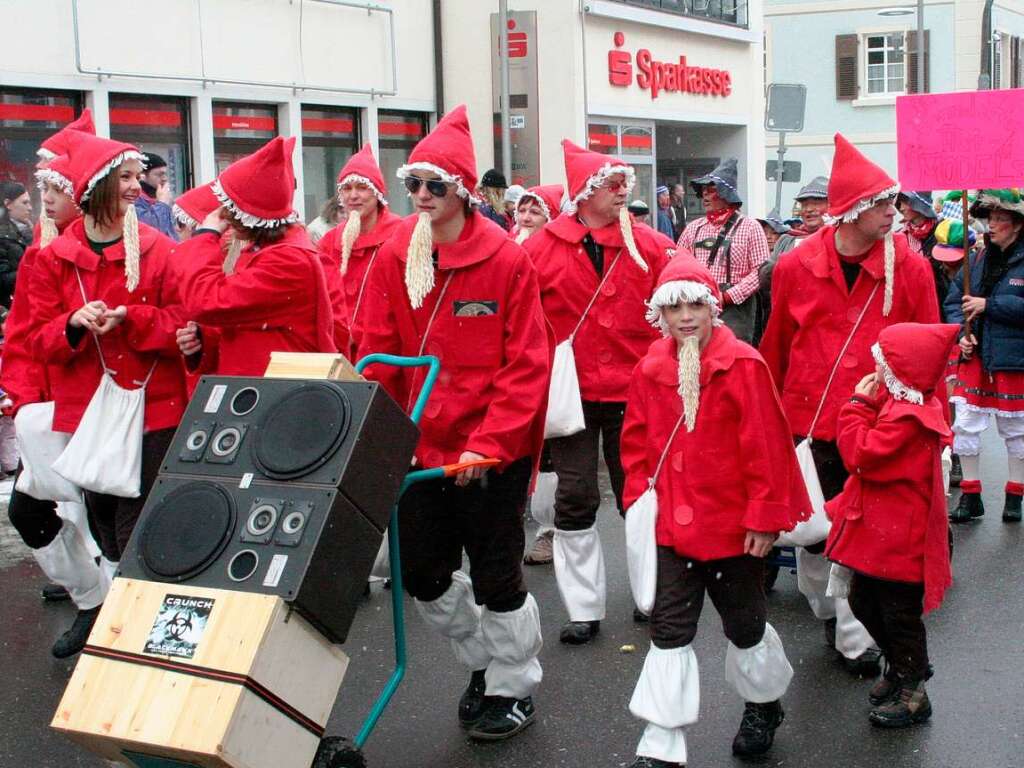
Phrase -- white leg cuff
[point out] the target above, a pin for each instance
(456, 615)
(668, 690)
(668, 744)
(759, 674)
(852, 638)
(513, 639)
(75, 513)
(812, 581)
(66, 561)
(579, 570)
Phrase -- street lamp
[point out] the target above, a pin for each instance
(907, 11)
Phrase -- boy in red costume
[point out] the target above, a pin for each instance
(705, 429)
(889, 523)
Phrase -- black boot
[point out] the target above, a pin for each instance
(55, 593)
(74, 640)
(956, 472)
(908, 706)
(1011, 508)
(473, 701)
(639, 617)
(757, 729)
(579, 632)
(970, 507)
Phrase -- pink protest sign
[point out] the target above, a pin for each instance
(966, 140)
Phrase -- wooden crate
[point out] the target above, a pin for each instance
(311, 365)
(135, 689)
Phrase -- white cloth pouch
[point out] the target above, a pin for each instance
(40, 447)
(816, 528)
(565, 406)
(642, 549)
(104, 454)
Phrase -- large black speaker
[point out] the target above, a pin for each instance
(277, 486)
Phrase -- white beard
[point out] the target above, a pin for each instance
(353, 226)
(419, 264)
(689, 380)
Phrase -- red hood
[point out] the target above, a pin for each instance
(73, 245)
(567, 227)
(481, 238)
(382, 230)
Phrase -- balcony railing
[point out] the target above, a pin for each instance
(725, 11)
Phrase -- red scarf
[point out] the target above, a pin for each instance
(922, 230)
(718, 218)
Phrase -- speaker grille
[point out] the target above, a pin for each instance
(301, 431)
(187, 531)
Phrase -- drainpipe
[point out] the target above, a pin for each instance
(438, 60)
(985, 77)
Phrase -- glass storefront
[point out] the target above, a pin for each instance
(157, 124)
(398, 134)
(240, 129)
(330, 136)
(634, 143)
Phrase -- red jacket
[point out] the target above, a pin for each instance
(889, 522)
(615, 334)
(23, 378)
(813, 314)
(275, 301)
(737, 470)
(489, 333)
(146, 334)
(346, 291)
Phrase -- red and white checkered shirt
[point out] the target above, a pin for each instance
(749, 251)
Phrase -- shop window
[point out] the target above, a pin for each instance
(637, 140)
(240, 129)
(157, 124)
(879, 64)
(635, 144)
(398, 133)
(603, 138)
(727, 11)
(27, 117)
(330, 136)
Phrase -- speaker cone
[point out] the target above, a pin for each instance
(262, 520)
(187, 531)
(301, 431)
(196, 440)
(226, 441)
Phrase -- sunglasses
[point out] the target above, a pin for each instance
(435, 187)
(614, 186)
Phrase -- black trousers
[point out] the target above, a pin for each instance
(575, 460)
(891, 611)
(112, 518)
(35, 520)
(437, 520)
(734, 584)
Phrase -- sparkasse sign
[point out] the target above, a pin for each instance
(657, 76)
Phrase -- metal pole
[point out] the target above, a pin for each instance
(778, 174)
(920, 47)
(506, 136)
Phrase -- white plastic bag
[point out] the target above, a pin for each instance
(542, 502)
(40, 447)
(565, 407)
(815, 529)
(105, 453)
(642, 549)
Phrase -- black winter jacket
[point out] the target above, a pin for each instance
(12, 245)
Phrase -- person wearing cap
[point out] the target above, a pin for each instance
(774, 228)
(274, 298)
(729, 244)
(511, 199)
(154, 204)
(348, 252)
(535, 207)
(664, 215)
(452, 284)
(889, 531)
(108, 276)
(831, 296)
(492, 198)
(596, 268)
(990, 377)
(639, 211)
(919, 220)
(705, 431)
(812, 202)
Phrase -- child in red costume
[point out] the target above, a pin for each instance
(889, 522)
(705, 429)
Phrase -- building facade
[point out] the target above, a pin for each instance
(203, 83)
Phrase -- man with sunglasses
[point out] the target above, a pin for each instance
(452, 284)
(831, 296)
(596, 267)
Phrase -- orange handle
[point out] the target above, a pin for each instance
(450, 470)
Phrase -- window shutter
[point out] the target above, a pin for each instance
(846, 67)
(912, 86)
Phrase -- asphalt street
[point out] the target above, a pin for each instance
(975, 643)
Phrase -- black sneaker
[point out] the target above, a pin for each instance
(653, 762)
(473, 702)
(579, 632)
(639, 617)
(1012, 508)
(55, 593)
(503, 718)
(74, 640)
(868, 664)
(757, 728)
(909, 706)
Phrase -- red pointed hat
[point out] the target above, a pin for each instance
(57, 144)
(447, 151)
(91, 158)
(548, 197)
(683, 279)
(586, 170)
(195, 205)
(913, 357)
(856, 183)
(362, 168)
(259, 189)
